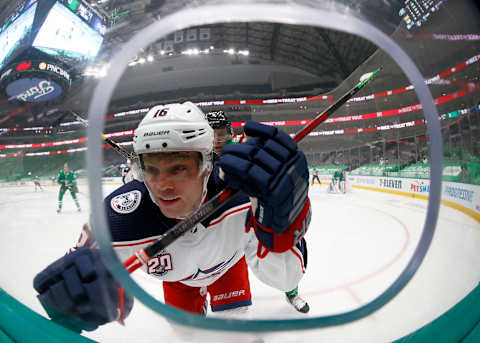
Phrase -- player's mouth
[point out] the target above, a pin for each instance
(168, 201)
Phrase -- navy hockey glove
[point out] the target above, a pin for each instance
(270, 168)
(78, 292)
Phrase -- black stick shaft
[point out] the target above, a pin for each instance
(125, 153)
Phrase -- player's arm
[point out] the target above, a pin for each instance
(282, 271)
(271, 169)
(70, 181)
(60, 179)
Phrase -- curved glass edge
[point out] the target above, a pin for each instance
(289, 14)
(16, 317)
(466, 315)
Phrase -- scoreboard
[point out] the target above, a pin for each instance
(69, 34)
(41, 41)
(417, 12)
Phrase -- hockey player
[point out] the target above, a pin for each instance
(315, 176)
(36, 182)
(222, 128)
(67, 181)
(262, 227)
(337, 181)
(341, 181)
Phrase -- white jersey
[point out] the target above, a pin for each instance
(202, 255)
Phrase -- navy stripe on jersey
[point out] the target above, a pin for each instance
(231, 306)
(302, 246)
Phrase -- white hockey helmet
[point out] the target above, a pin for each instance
(175, 127)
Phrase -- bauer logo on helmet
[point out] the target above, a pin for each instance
(157, 133)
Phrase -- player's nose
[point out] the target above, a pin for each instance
(162, 183)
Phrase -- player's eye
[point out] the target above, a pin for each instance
(178, 169)
(150, 170)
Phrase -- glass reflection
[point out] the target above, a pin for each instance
(378, 135)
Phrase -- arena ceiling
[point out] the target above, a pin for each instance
(308, 60)
(328, 57)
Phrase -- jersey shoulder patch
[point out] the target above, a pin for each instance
(126, 202)
(132, 218)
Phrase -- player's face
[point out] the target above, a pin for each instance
(220, 139)
(175, 181)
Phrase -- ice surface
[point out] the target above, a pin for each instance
(358, 244)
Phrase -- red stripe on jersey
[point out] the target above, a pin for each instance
(84, 239)
(121, 305)
(227, 214)
(116, 245)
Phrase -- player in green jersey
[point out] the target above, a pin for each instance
(67, 181)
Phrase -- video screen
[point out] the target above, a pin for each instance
(65, 33)
(12, 36)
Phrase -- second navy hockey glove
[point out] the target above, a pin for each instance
(271, 169)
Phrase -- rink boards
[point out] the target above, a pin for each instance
(460, 196)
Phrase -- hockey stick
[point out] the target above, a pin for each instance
(125, 153)
(143, 255)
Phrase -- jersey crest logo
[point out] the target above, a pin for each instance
(126, 202)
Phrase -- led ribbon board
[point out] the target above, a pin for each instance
(35, 80)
